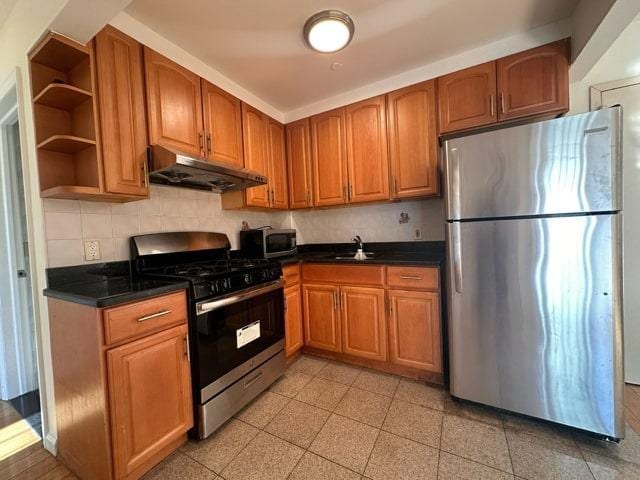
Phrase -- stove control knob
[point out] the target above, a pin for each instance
(246, 278)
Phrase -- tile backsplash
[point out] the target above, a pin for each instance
(68, 223)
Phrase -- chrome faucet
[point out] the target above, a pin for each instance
(358, 241)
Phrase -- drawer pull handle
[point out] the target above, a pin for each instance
(248, 383)
(154, 315)
(410, 277)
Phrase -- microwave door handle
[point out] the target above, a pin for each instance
(206, 307)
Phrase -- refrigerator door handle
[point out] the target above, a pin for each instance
(454, 182)
(457, 256)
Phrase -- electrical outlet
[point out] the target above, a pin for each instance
(92, 250)
(417, 234)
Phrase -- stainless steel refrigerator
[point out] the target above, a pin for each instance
(534, 232)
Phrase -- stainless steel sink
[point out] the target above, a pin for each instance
(370, 255)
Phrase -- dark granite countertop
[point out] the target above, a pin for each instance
(104, 285)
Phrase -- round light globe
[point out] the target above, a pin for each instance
(328, 31)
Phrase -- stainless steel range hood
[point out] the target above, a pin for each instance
(170, 167)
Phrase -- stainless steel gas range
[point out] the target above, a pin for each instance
(236, 318)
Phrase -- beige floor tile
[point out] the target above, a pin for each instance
(628, 449)
(313, 467)
(398, 458)
(298, 423)
(607, 468)
(476, 441)
(179, 467)
(308, 365)
(265, 458)
(262, 410)
(346, 442)
(363, 406)
(339, 372)
(421, 394)
(452, 467)
(547, 434)
(412, 421)
(531, 460)
(322, 393)
(290, 383)
(377, 382)
(219, 449)
(472, 411)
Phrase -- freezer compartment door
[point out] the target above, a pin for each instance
(535, 318)
(566, 165)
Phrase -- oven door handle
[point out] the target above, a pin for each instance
(206, 307)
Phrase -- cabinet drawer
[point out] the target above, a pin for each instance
(291, 274)
(140, 318)
(343, 274)
(422, 278)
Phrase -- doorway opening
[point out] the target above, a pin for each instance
(20, 406)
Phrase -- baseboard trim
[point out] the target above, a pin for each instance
(50, 443)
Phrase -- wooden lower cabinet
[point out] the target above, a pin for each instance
(364, 326)
(294, 336)
(415, 338)
(321, 317)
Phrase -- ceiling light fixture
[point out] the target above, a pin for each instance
(328, 31)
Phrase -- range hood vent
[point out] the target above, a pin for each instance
(168, 167)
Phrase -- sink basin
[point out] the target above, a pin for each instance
(370, 255)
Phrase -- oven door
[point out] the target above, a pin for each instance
(278, 243)
(235, 334)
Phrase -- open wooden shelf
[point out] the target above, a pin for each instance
(71, 192)
(66, 143)
(63, 96)
(59, 52)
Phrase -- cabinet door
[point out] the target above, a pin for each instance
(534, 82)
(364, 326)
(174, 105)
(467, 98)
(122, 116)
(321, 317)
(254, 125)
(150, 398)
(278, 195)
(413, 141)
(329, 158)
(222, 125)
(294, 339)
(299, 164)
(414, 330)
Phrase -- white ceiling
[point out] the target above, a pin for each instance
(258, 43)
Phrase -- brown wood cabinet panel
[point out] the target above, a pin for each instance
(419, 278)
(291, 274)
(222, 125)
(365, 275)
(254, 125)
(144, 317)
(321, 317)
(329, 158)
(278, 192)
(294, 336)
(534, 82)
(367, 159)
(299, 164)
(413, 141)
(122, 114)
(467, 98)
(414, 330)
(364, 326)
(174, 105)
(150, 397)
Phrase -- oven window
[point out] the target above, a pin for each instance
(217, 350)
(279, 242)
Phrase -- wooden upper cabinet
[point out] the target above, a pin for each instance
(329, 158)
(278, 191)
(364, 326)
(321, 317)
(150, 398)
(299, 163)
(223, 125)
(368, 163)
(294, 337)
(413, 141)
(123, 120)
(414, 330)
(254, 124)
(467, 98)
(174, 105)
(534, 82)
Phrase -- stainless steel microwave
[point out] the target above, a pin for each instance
(268, 243)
